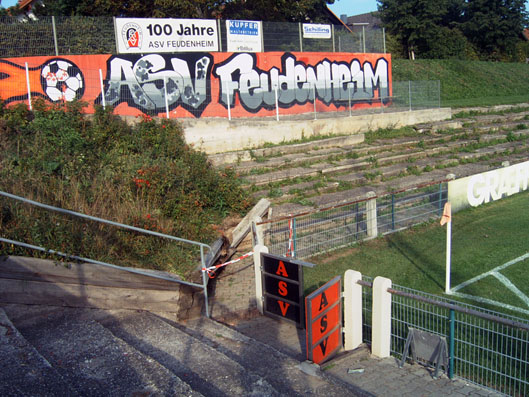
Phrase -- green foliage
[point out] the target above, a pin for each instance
(264, 10)
(469, 83)
(143, 175)
(456, 28)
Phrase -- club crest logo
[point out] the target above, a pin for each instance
(132, 35)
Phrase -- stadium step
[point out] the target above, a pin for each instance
(335, 172)
(87, 357)
(71, 351)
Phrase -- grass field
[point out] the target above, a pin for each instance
(484, 240)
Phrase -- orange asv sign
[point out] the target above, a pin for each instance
(324, 321)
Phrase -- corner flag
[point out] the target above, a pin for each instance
(447, 214)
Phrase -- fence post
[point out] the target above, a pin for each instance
(350, 110)
(451, 344)
(257, 271)
(384, 38)
(352, 295)
(228, 101)
(409, 93)
(102, 89)
(220, 35)
(332, 34)
(165, 94)
(277, 105)
(381, 321)
(204, 281)
(54, 36)
(300, 28)
(314, 92)
(294, 246)
(371, 214)
(29, 87)
(393, 211)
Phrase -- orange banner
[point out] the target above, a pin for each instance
(204, 84)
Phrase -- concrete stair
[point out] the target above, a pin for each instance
(52, 351)
(297, 178)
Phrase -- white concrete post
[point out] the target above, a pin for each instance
(257, 231)
(29, 88)
(102, 89)
(381, 318)
(257, 269)
(371, 214)
(352, 295)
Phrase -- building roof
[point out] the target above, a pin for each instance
(370, 18)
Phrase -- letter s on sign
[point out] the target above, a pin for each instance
(283, 291)
(476, 190)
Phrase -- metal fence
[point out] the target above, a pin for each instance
(51, 236)
(95, 35)
(487, 348)
(311, 233)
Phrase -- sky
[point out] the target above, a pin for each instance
(355, 7)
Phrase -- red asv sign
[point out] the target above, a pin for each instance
(324, 321)
(282, 280)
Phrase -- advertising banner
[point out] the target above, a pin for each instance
(244, 36)
(316, 31)
(203, 84)
(147, 35)
(489, 186)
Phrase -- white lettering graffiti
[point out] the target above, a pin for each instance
(143, 83)
(494, 185)
(296, 83)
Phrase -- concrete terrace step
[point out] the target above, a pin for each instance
(204, 368)
(23, 370)
(90, 359)
(276, 366)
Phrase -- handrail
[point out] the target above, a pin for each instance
(452, 306)
(121, 225)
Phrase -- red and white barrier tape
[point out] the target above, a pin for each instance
(211, 269)
(290, 248)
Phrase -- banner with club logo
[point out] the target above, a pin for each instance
(147, 35)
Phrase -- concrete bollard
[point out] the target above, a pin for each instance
(381, 320)
(352, 310)
(257, 269)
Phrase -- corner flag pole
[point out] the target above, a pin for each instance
(447, 218)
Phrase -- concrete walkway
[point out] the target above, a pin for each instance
(234, 304)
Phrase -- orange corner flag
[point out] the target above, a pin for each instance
(447, 214)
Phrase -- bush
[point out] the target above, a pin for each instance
(143, 175)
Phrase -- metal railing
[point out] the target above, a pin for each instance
(306, 234)
(95, 35)
(487, 348)
(203, 247)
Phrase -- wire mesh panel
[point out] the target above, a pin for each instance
(486, 352)
(26, 38)
(400, 210)
(85, 35)
(279, 36)
(310, 234)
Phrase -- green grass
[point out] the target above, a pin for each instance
(469, 83)
(482, 239)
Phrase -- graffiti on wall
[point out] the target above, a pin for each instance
(298, 83)
(202, 84)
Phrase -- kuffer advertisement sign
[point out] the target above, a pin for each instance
(244, 36)
(145, 35)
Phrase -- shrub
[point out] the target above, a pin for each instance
(143, 175)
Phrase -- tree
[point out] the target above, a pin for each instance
(260, 10)
(423, 26)
(494, 26)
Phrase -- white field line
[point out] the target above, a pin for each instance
(505, 281)
(491, 302)
(489, 273)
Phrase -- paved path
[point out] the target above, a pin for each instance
(234, 303)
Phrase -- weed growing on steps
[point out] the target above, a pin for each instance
(143, 175)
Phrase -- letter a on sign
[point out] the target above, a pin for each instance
(281, 270)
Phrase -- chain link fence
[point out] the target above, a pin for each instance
(78, 35)
(311, 233)
(485, 347)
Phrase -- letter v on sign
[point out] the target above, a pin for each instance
(284, 307)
